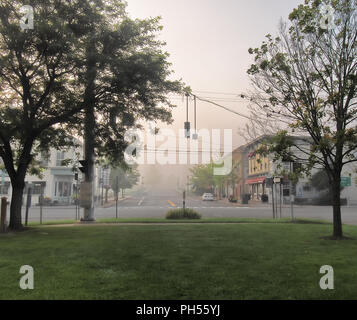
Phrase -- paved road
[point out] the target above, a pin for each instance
(155, 205)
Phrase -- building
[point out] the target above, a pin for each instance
(257, 172)
(57, 182)
(259, 169)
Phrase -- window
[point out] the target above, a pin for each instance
(4, 188)
(36, 189)
(62, 189)
(307, 188)
(60, 158)
(45, 156)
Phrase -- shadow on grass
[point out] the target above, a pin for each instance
(302, 221)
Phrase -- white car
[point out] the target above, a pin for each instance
(208, 197)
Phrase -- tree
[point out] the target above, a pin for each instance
(83, 59)
(320, 181)
(202, 179)
(126, 74)
(259, 124)
(234, 177)
(127, 177)
(36, 67)
(306, 78)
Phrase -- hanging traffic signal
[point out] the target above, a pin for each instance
(187, 130)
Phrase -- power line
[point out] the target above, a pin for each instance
(217, 92)
(190, 151)
(225, 108)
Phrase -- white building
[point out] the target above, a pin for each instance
(57, 183)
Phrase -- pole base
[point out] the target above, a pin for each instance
(87, 221)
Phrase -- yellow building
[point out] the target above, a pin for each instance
(259, 168)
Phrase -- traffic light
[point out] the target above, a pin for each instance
(187, 130)
(84, 164)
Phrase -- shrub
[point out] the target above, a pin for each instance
(178, 214)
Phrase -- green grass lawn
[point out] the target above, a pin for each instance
(195, 261)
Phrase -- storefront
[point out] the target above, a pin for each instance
(256, 187)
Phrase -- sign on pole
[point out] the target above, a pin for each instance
(85, 194)
(346, 182)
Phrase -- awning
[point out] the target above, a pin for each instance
(255, 180)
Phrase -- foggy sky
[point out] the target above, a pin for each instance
(208, 42)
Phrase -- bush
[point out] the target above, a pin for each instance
(178, 214)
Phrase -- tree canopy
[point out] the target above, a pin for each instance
(81, 56)
(306, 78)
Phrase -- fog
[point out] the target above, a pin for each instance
(208, 43)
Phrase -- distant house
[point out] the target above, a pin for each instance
(58, 182)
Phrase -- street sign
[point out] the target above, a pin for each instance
(346, 182)
(277, 179)
(85, 194)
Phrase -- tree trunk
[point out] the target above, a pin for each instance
(337, 221)
(15, 207)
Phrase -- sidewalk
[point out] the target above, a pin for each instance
(251, 203)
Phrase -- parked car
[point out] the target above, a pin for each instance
(208, 197)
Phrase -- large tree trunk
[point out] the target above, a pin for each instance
(336, 195)
(16, 206)
(18, 185)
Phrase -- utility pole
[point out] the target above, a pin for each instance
(77, 200)
(28, 203)
(184, 201)
(280, 191)
(89, 125)
(195, 135)
(273, 197)
(102, 196)
(291, 193)
(116, 195)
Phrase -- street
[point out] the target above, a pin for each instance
(156, 204)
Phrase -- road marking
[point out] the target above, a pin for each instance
(141, 201)
(171, 203)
